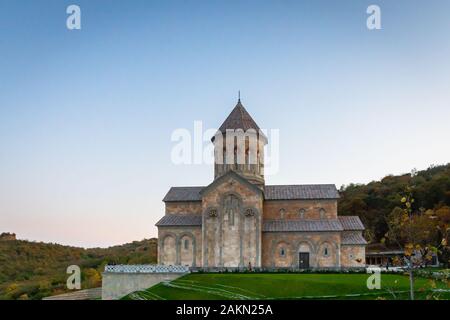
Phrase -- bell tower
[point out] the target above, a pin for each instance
(239, 146)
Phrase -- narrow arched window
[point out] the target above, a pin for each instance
(231, 208)
(301, 213)
(322, 213)
(282, 213)
(325, 252)
(186, 244)
(282, 252)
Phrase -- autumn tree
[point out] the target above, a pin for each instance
(416, 232)
(443, 227)
(92, 278)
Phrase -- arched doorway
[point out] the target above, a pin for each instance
(304, 252)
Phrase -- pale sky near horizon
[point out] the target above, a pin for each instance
(86, 116)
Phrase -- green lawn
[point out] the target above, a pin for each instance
(220, 286)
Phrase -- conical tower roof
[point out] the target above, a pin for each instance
(239, 118)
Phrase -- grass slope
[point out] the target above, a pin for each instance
(283, 286)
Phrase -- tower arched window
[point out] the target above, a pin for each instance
(326, 251)
(224, 160)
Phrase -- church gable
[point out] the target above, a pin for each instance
(232, 222)
(231, 182)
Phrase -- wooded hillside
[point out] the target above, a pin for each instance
(32, 270)
(377, 202)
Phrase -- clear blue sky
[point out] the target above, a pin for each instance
(86, 116)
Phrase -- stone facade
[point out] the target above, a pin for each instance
(237, 221)
(184, 208)
(232, 223)
(281, 250)
(180, 246)
(353, 255)
(300, 209)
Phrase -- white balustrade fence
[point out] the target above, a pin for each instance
(146, 268)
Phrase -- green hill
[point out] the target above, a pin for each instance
(374, 202)
(32, 270)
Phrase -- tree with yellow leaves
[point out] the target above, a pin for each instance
(92, 278)
(416, 232)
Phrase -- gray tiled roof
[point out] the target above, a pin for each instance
(351, 223)
(273, 225)
(277, 192)
(239, 118)
(179, 220)
(301, 225)
(183, 194)
(352, 238)
(301, 191)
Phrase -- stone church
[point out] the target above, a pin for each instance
(238, 221)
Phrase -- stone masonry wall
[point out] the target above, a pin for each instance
(180, 246)
(118, 285)
(292, 209)
(353, 255)
(232, 244)
(294, 242)
(192, 207)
